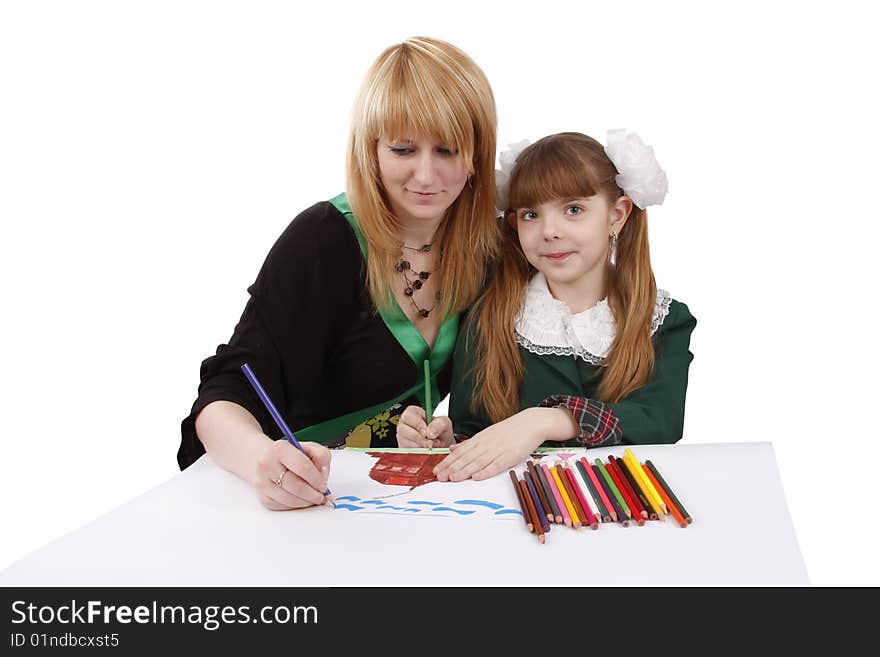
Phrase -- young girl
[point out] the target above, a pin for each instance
(572, 343)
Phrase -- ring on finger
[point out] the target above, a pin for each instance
(280, 478)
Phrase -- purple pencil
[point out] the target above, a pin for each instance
(264, 397)
(537, 500)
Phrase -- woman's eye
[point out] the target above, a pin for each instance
(443, 150)
(400, 150)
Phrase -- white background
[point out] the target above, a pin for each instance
(151, 153)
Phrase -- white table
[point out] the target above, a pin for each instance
(205, 527)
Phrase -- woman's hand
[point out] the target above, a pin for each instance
(504, 445)
(287, 478)
(413, 431)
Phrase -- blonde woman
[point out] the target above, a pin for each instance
(361, 289)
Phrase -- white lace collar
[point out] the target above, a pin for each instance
(545, 325)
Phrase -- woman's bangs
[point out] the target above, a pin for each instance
(409, 107)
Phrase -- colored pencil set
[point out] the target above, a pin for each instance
(621, 490)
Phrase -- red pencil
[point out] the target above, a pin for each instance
(624, 491)
(600, 489)
(588, 512)
(578, 517)
(522, 504)
(638, 506)
(638, 513)
(536, 522)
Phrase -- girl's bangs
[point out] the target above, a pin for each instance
(546, 174)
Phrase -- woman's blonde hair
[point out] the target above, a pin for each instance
(433, 89)
(565, 165)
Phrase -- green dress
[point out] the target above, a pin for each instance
(556, 366)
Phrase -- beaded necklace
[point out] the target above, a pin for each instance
(404, 268)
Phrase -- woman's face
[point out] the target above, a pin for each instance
(422, 177)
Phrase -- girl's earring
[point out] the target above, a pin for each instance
(612, 256)
(470, 180)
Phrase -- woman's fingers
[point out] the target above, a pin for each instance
(320, 457)
(288, 478)
(291, 493)
(307, 470)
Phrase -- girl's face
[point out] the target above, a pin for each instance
(421, 176)
(567, 240)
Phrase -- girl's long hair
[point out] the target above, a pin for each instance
(565, 165)
(434, 89)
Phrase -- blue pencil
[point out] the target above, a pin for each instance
(252, 378)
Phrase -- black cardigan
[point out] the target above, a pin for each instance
(311, 335)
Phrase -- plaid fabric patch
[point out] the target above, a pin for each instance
(598, 424)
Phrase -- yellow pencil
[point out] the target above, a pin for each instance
(575, 521)
(634, 472)
(650, 492)
(649, 487)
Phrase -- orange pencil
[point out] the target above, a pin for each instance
(522, 504)
(662, 491)
(536, 522)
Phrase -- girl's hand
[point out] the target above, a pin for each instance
(503, 445)
(287, 478)
(412, 431)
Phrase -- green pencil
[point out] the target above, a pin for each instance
(428, 409)
(613, 488)
(669, 492)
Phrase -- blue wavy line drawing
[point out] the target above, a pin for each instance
(491, 505)
(458, 511)
(348, 507)
(348, 497)
(424, 502)
(372, 502)
(506, 511)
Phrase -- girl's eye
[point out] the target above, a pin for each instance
(528, 215)
(574, 209)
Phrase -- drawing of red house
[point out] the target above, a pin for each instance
(404, 469)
